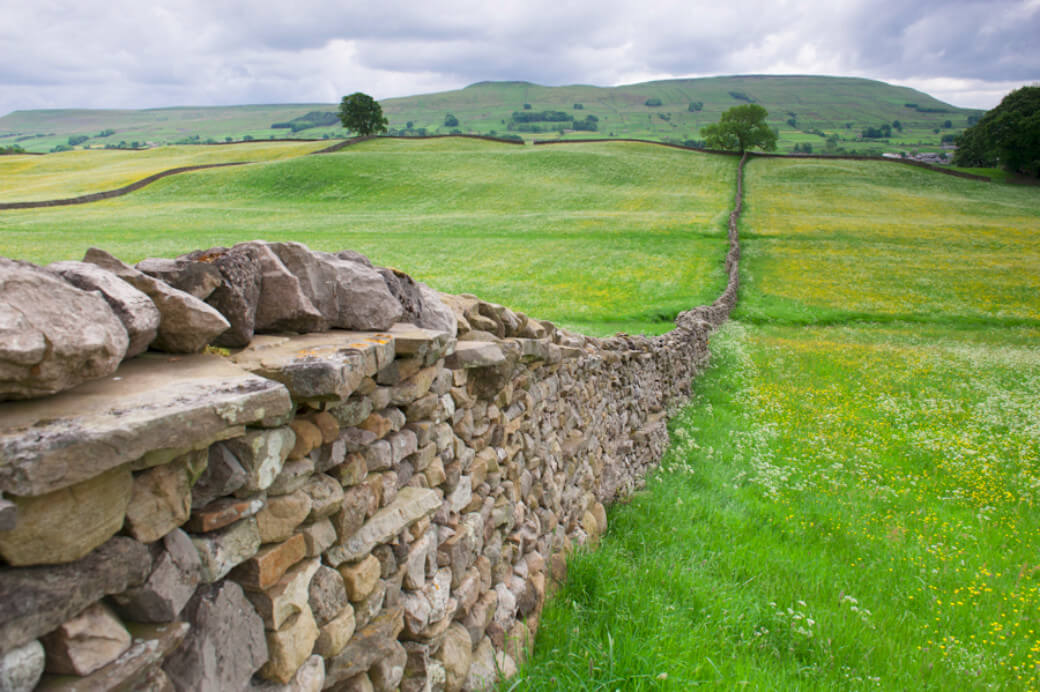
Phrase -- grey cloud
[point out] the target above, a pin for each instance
(139, 54)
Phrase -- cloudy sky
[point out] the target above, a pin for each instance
(151, 53)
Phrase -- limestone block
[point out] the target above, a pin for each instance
(309, 677)
(186, 324)
(160, 500)
(220, 551)
(328, 595)
(134, 309)
(426, 407)
(351, 517)
(264, 569)
(21, 667)
(365, 611)
(282, 305)
(42, 350)
(336, 633)
(387, 672)
(222, 476)
(482, 671)
(475, 354)
(456, 655)
(378, 456)
(154, 403)
(39, 599)
(427, 344)
(237, 296)
(481, 615)
(372, 642)
(414, 387)
(360, 578)
(221, 513)
(66, 524)
(135, 669)
(278, 520)
(197, 278)
(422, 556)
(402, 444)
(92, 639)
(319, 367)
(468, 590)
(262, 454)
(349, 295)
(308, 437)
(174, 577)
(292, 477)
(352, 471)
(410, 505)
(351, 412)
(226, 643)
(290, 646)
(326, 496)
(288, 597)
(377, 424)
(319, 537)
(398, 370)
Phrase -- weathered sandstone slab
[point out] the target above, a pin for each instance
(153, 402)
(410, 505)
(323, 367)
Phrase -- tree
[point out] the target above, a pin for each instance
(360, 112)
(741, 128)
(1008, 135)
(450, 121)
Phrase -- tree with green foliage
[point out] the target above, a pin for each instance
(741, 128)
(450, 121)
(1008, 135)
(360, 112)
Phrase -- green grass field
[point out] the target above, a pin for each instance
(81, 172)
(851, 499)
(600, 238)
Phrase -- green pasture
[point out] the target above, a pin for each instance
(851, 499)
(81, 172)
(599, 237)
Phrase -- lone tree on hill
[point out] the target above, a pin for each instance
(741, 128)
(1009, 135)
(360, 112)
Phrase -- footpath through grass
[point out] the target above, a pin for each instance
(597, 237)
(848, 502)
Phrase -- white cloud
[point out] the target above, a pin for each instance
(137, 54)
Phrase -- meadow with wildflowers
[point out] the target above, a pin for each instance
(851, 499)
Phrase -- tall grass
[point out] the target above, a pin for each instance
(850, 501)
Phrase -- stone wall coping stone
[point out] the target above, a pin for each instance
(150, 403)
(324, 366)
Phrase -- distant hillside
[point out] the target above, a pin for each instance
(808, 111)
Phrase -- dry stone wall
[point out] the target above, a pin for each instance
(379, 503)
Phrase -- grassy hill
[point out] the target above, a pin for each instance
(819, 107)
(600, 237)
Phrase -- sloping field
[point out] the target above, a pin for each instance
(837, 240)
(81, 172)
(599, 237)
(851, 501)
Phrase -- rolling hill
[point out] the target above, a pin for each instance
(807, 110)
